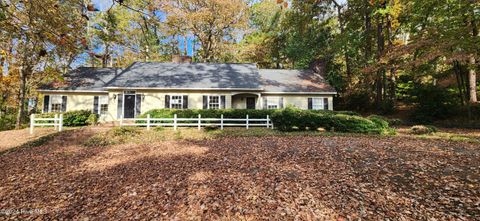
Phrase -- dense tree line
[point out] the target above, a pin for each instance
(381, 55)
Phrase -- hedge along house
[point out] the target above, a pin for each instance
(126, 93)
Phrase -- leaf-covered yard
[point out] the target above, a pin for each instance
(272, 177)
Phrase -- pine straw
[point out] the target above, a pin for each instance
(244, 178)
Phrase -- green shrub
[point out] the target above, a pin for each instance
(71, 118)
(209, 113)
(354, 124)
(422, 129)
(92, 119)
(76, 118)
(395, 122)
(290, 119)
(379, 121)
(433, 103)
(7, 121)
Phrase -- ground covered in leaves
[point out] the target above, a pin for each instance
(235, 177)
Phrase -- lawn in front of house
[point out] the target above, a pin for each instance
(240, 174)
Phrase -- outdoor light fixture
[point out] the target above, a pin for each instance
(143, 97)
(114, 96)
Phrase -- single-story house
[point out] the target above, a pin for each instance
(116, 93)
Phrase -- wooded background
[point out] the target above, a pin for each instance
(390, 57)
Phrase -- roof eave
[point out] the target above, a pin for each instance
(180, 89)
(309, 92)
(71, 90)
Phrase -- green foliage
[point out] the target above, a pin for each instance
(193, 113)
(433, 103)
(76, 118)
(290, 119)
(380, 121)
(7, 121)
(92, 119)
(71, 118)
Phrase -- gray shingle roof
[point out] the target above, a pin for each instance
(193, 76)
(85, 79)
(188, 76)
(281, 80)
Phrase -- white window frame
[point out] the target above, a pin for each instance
(50, 103)
(273, 103)
(219, 97)
(317, 103)
(180, 103)
(100, 103)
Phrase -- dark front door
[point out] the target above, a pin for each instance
(250, 103)
(129, 106)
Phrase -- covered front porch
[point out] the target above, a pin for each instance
(246, 101)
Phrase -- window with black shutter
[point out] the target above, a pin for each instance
(46, 103)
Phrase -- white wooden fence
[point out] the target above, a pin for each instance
(198, 122)
(56, 122)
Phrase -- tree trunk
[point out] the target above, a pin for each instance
(457, 71)
(368, 29)
(379, 82)
(21, 98)
(472, 80)
(472, 75)
(341, 22)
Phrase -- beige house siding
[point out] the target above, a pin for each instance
(156, 100)
(301, 100)
(78, 101)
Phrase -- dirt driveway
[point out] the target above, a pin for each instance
(248, 178)
(14, 138)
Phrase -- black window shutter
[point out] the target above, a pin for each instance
(46, 102)
(138, 104)
(310, 103)
(185, 101)
(167, 101)
(280, 102)
(223, 101)
(95, 104)
(264, 103)
(325, 103)
(119, 106)
(64, 103)
(205, 102)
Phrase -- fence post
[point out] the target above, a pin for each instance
(199, 122)
(148, 121)
(32, 122)
(221, 122)
(247, 121)
(268, 121)
(55, 123)
(60, 123)
(175, 122)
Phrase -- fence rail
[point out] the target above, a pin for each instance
(56, 121)
(199, 122)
